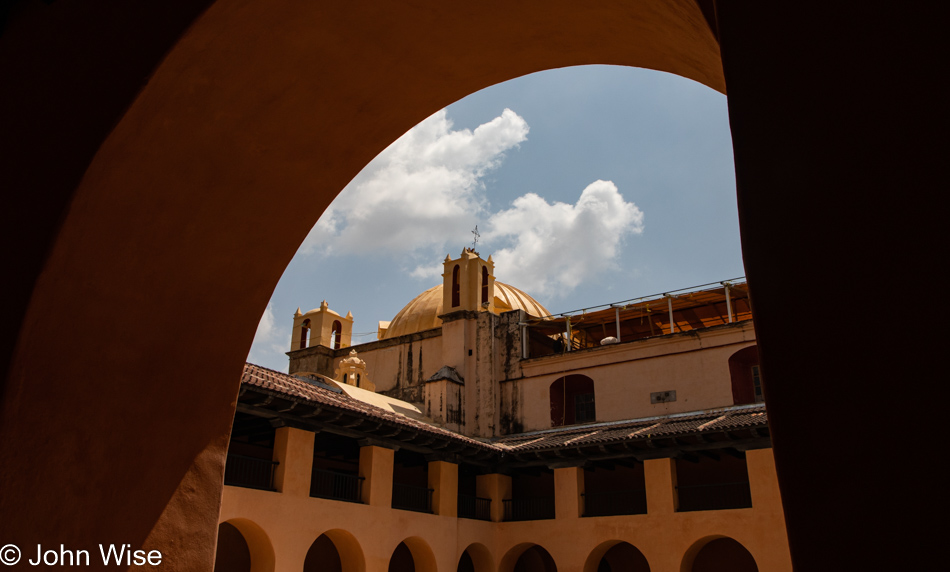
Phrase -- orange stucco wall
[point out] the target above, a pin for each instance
(370, 533)
(694, 364)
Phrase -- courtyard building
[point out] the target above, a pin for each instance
(480, 433)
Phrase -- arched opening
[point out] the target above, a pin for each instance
(323, 556)
(616, 556)
(304, 334)
(718, 554)
(401, 560)
(412, 555)
(336, 335)
(334, 551)
(528, 557)
(456, 287)
(232, 553)
(746, 376)
(475, 558)
(61, 242)
(484, 284)
(243, 546)
(572, 400)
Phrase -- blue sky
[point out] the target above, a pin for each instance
(589, 185)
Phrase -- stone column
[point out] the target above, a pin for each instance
(293, 450)
(444, 481)
(496, 487)
(568, 488)
(376, 468)
(660, 477)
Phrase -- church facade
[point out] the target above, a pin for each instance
(481, 433)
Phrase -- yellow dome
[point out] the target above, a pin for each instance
(424, 311)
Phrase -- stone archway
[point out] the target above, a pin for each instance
(616, 556)
(224, 145)
(476, 558)
(718, 554)
(243, 546)
(232, 553)
(527, 557)
(412, 555)
(335, 551)
(118, 215)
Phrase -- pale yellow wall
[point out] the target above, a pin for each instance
(695, 365)
(291, 522)
(383, 364)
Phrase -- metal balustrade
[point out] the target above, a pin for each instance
(471, 506)
(719, 496)
(611, 503)
(539, 508)
(249, 472)
(337, 486)
(409, 497)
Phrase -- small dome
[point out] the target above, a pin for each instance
(424, 311)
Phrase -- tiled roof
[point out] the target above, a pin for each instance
(698, 429)
(302, 389)
(740, 417)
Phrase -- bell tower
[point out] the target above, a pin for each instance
(468, 305)
(468, 283)
(321, 327)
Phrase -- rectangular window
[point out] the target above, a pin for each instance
(757, 384)
(584, 408)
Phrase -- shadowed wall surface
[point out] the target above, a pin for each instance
(164, 161)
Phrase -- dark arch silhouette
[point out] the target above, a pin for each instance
(535, 559)
(243, 546)
(401, 560)
(527, 557)
(722, 555)
(323, 556)
(232, 553)
(616, 556)
(476, 558)
(815, 133)
(412, 555)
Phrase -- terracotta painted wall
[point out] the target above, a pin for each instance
(695, 365)
(291, 522)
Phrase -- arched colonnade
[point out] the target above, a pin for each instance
(244, 546)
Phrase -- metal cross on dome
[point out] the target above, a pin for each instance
(475, 232)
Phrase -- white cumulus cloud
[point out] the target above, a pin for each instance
(554, 247)
(425, 192)
(420, 191)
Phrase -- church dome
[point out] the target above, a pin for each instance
(424, 310)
